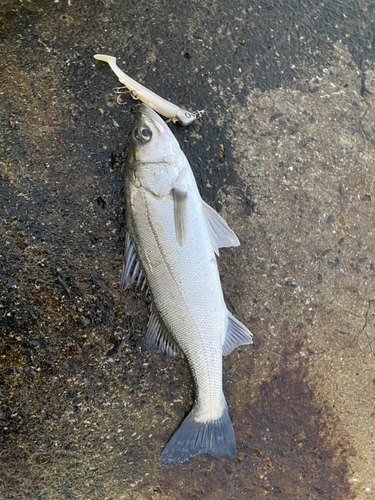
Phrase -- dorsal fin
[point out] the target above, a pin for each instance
(237, 334)
(220, 233)
(159, 339)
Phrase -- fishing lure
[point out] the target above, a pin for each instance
(138, 91)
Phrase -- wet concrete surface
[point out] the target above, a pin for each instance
(284, 152)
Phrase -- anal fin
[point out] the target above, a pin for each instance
(237, 334)
(159, 339)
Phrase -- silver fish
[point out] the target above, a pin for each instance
(173, 236)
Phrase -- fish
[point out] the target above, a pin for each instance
(138, 91)
(173, 238)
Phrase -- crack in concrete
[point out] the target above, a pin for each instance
(367, 322)
(364, 91)
(361, 120)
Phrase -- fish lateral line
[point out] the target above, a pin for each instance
(137, 91)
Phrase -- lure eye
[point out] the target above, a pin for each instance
(188, 115)
(143, 134)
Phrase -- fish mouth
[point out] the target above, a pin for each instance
(145, 114)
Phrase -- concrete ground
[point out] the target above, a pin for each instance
(285, 152)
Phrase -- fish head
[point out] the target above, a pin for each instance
(155, 156)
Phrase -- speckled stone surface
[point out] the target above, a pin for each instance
(285, 152)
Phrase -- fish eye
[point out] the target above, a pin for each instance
(143, 134)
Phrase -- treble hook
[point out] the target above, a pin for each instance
(124, 90)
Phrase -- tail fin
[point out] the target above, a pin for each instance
(194, 438)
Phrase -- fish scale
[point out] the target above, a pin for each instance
(175, 236)
(198, 326)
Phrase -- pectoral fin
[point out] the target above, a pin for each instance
(159, 339)
(180, 215)
(220, 233)
(237, 334)
(131, 269)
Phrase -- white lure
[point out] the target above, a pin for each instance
(173, 236)
(138, 91)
